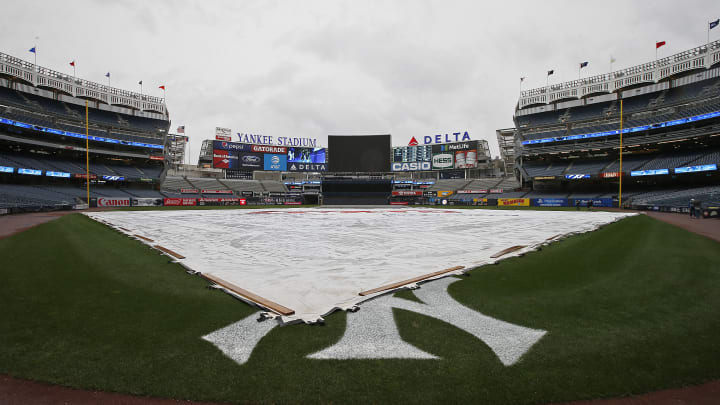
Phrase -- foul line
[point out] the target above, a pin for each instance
(409, 281)
(170, 252)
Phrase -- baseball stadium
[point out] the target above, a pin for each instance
(581, 264)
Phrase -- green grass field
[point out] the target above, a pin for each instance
(629, 308)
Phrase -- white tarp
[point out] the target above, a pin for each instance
(316, 260)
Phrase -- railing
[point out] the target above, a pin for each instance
(43, 77)
(651, 72)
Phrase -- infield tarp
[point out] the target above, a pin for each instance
(317, 260)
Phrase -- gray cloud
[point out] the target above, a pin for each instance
(287, 68)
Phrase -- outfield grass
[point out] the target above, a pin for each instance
(629, 308)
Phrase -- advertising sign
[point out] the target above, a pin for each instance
(84, 176)
(549, 202)
(444, 193)
(6, 169)
(146, 202)
(223, 134)
(189, 191)
(398, 203)
(407, 193)
(577, 176)
(693, 169)
(514, 202)
(472, 191)
(273, 161)
(452, 147)
(597, 202)
(222, 201)
(231, 146)
(446, 138)
(58, 174)
(306, 155)
(113, 202)
(249, 160)
(113, 178)
(442, 161)
(649, 172)
(410, 166)
(217, 191)
(222, 159)
(496, 191)
(307, 167)
(544, 178)
(466, 159)
(177, 202)
(33, 172)
(269, 149)
(408, 154)
(609, 175)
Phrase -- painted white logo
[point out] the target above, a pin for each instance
(371, 333)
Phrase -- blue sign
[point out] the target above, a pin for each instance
(113, 178)
(6, 169)
(58, 174)
(649, 172)
(597, 202)
(693, 169)
(30, 171)
(275, 162)
(446, 138)
(549, 202)
(577, 176)
(222, 145)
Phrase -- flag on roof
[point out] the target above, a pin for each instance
(32, 50)
(522, 78)
(551, 72)
(161, 87)
(181, 129)
(659, 44)
(714, 24)
(612, 59)
(582, 65)
(72, 63)
(140, 82)
(107, 74)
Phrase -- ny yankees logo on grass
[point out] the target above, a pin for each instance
(371, 333)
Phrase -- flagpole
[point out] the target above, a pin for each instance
(87, 153)
(621, 153)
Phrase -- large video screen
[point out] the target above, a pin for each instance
(306, 155)
(359, 153)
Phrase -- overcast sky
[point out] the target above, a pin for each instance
(313, 68)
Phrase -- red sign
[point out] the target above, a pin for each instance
(176, 202)
(398, 203)
(496, 190)
(472, 191)
(223, 138)
(217, 191)
(413, 142)
(221, 159)
(84, 176)
(268, 149)
(407, 193)
(113, 202)
(189, 191)
(610, 174)
(293, 203)
(157, 158)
